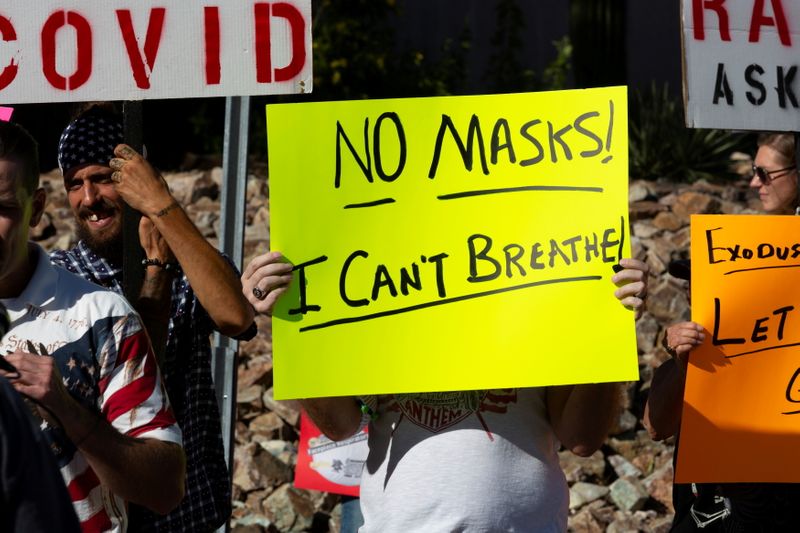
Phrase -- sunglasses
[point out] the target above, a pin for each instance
(765, 177)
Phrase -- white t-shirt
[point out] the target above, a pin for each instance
(474, 461)
(107, 365)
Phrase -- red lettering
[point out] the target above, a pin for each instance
(298, 25)
(263, 41)
(7, 33)
(213, 67)
(759, 19)
(698, 8)
(263, 44)
(83, 71)
(152, 40)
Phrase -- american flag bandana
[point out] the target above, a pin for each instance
(90, 138)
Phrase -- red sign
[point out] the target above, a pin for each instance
(329, 466)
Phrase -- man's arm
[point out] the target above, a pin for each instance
(662, 412)
(581, 415)
(212, 279)
(338, 418)
(145, 471)
(155, 297)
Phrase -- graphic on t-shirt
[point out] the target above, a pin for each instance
(437, 411)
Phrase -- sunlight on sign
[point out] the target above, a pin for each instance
(450, 243)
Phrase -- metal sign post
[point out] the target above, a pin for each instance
(232, 216)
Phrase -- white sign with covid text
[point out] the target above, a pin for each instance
(70, 50)
(741, 64)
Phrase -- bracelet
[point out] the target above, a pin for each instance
(680, 363)
(167, 209)
(91, 430)
(669, 349)
(366, 410)
(160, 264)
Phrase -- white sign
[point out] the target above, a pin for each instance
(741, 64)
(80, 50)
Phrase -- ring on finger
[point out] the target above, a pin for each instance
(116, 176)
(259, 294)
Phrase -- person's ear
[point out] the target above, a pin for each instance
(38, 202)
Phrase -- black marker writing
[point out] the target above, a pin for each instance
(301, 268)
(383, 282)
(365, 163)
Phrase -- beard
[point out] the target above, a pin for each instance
(107, 245)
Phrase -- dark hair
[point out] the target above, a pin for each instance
(783, 143)
(16, 143)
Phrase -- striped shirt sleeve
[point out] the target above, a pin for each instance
(132, 394)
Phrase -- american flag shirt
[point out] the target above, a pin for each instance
(107, 365)
(187, 371)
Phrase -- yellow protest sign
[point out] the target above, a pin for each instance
(450, 243)
(742, 396)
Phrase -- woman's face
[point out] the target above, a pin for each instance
(778, 196)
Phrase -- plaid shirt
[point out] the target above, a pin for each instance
(187, 372)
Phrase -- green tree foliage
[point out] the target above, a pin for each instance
(597, 31)
(505, 72)
(356, 55)
(555, 75)
(662, 146)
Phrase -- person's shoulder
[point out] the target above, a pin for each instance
(61, 257)
(71, 260)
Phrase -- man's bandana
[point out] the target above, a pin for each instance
(90, 138)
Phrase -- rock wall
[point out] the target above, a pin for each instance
(625, 486)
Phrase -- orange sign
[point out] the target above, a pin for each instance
(741, 411)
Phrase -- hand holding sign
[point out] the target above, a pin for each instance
(632, 283)
(265, 279)
(680, 339)
(139, 184)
